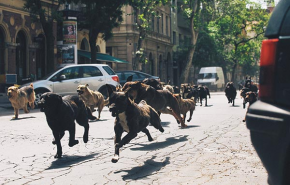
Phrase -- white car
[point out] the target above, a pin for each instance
(66, 80)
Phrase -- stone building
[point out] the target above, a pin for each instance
(157, 45)
(22, 44)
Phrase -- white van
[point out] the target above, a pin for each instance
(212, 77)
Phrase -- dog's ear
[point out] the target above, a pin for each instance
(130, 78)
(110, 90)
(87, 85)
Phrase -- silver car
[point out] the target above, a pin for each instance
(66, 80)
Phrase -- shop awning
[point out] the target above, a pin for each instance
(101, 57)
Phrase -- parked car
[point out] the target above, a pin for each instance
(269, 118)
(137, 76)
(66, 80)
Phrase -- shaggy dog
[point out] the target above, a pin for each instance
(231, 92)
(203, 92)
(61, 113)
(185, 105)
(250, 97)
(131, 118)
(92, 98)
(160, 100)
(152, 82)
(20, 97)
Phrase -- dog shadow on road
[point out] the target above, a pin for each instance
(157, 145)
(67, 161)
(150, 166)
(28, 117)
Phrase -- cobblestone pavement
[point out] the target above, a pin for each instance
(214, 149)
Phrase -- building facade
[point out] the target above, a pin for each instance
(22, 45)
(157, 45)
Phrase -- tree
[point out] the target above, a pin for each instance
(198, 13)
(45, 13)
(143, 11)
(239, 29)
(100, 17)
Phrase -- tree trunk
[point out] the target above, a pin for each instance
(186, 70)
(92, 39)
(234, 71)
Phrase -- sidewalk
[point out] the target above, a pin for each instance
(4, 102)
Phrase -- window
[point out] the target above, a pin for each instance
(90, 71)
(173, 5)
(109, 70)
(70, 73)
(174, 37)
(166, 22)
(152, 23)
(180, 39)
(162, 23)
(158, 18)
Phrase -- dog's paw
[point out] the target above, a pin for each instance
(183, 126)
(53, 142)
(58, 155)
(72, 143)
(161, 129)
(85, 139)
(188, 120)
(244, 120)
(115, 158)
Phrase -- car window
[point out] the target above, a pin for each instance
(109, 70)
(70, 73)
(90, 71)
(142, 75)
(135, 76)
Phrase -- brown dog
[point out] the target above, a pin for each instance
(185, 105)
(92, 98)
(160, 100)
(20, 97)
(250, 97)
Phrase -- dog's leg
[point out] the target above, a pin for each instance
(25, 108)
(16, 113)
(146, 131)
(31, 104)
(200, 100)
(118, 133)
(124, 141)
(56, 136)
(205, 101)
(155, 121)
(61, 134)
(190, 115)
(86, 132)
(72, 140)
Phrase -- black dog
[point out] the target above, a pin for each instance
(203, 92)
(131, 118)
(231, 92)
(61, 114)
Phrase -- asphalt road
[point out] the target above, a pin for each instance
(215, 148)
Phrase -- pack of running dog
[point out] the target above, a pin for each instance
(134, 105)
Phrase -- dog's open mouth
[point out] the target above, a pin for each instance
(80, 92)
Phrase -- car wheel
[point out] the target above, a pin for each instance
(38, 94)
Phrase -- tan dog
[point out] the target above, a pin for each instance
(92, 98)
(250, 97)
(20, 97)
(185, 105)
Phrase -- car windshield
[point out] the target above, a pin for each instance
(207, 75)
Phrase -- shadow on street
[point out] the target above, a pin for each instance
(159, 145)
(67, 161)
(150, 166)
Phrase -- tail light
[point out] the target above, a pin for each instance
(116, 78)
(267, 69)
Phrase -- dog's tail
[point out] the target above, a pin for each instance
(155, 120)
(90, 115)
(106, 101)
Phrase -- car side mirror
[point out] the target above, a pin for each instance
(62, 77)
(217, 78)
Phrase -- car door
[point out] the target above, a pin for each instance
(93, 76)
(69, 84)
